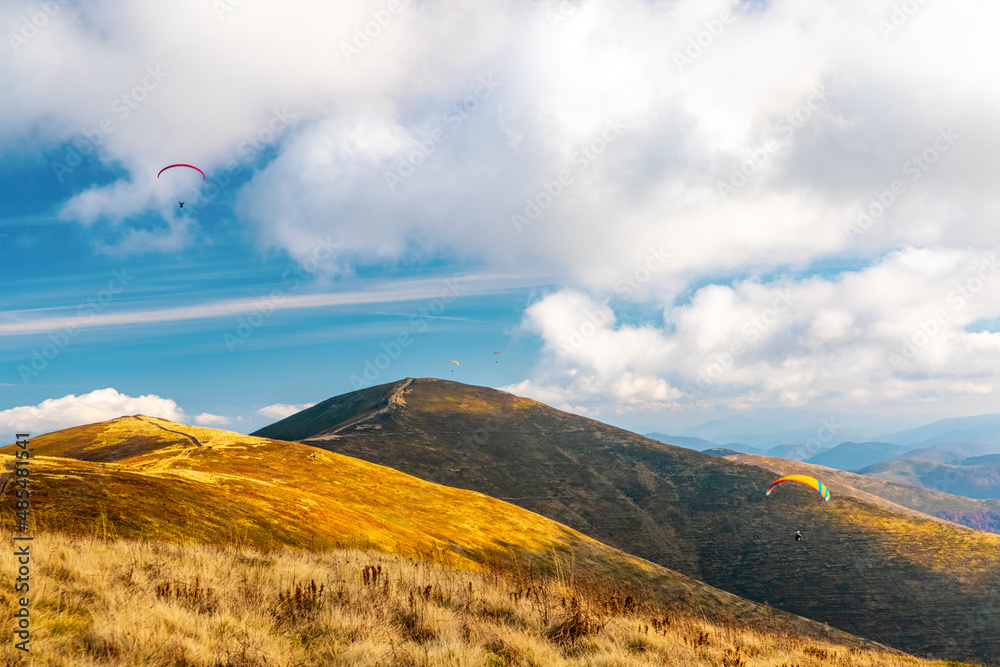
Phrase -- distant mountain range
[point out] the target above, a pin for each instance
(922, 456)
(854, 455)
(978, 429)
(767, 427)
(794, 452)
(867, 566)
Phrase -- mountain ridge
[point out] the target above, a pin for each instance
(697, 514)
(983, 429)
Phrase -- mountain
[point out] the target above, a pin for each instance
(855, 455)
(988, 459)
(984, 429)
(768, 427)
(967, 448)
(901, 578)
(979, 514)
(151, 538)
(971, 481)
(935, 454)
(740, 447)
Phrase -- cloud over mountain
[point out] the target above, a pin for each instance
(72, 410)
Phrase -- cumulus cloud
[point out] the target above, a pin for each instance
(911, 328)
(99, 405)
(761, 150)
(282, 410)
(208, 419)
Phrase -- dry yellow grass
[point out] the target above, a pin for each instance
(126, 602)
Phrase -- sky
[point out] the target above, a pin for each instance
(659, 212)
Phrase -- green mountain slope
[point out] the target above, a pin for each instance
(902, 579)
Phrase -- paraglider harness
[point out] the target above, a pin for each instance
(798, 536)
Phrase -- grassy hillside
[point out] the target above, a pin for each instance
(142, 478)
(903, 579)
(155, 604)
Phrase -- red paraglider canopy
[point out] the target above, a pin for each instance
(182, 165)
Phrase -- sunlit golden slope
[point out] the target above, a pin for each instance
(142, 477)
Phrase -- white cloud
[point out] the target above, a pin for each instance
(99, 405)
(207, 419)
(282, 410)
(657, 182)
(66, 318)
(902, 331)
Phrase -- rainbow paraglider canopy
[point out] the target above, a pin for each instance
(822, 488)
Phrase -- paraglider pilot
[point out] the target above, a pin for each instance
(181, 203)
(798, 536)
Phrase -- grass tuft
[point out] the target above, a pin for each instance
(574, 625)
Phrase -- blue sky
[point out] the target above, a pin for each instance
(661, 213)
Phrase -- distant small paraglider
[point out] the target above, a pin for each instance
(501, 355)
(451, 361)
(180, 204)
